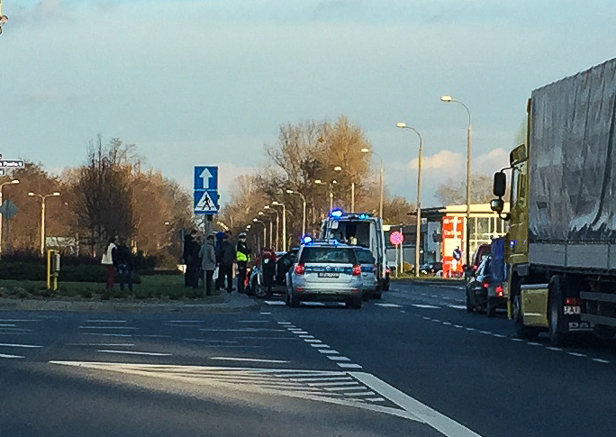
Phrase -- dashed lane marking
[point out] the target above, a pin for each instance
(127, 328)
(274, 302)
(388, 305)
(349, 365)
(338, 358)
(153, 354)
(576, 354)
(10, 356)
(106, 321)
(26, 346)
(599, 360)
(425, 306)
(101, 344)
(328, 351)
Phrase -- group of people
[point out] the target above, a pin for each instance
(202, 260)
(118, 257)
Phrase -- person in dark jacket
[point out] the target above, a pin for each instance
(219, 279)
(242, 255)
(226, 259)
(124, 264)
(208, 263)
(191, 259)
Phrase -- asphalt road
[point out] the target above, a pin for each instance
(413, 364)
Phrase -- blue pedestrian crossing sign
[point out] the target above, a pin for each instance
(206, 190)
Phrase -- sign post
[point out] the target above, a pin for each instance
(397, 238)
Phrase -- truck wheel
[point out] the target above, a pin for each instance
(556, 318)
(490, 310)
(521, 330)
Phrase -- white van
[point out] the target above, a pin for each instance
(360, 229)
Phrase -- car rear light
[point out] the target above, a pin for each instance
(499, 290)
(387, 271)
(485, 284)
(356, 270)
(300, 269)
(572, 301)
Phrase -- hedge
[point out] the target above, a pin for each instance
(36, 271)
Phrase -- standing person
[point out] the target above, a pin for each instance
(190, 258)
(242, 256)
(109, 261)
(457, 258)
(124, 264)
(226, 260)
(208, 262)
(217, 247)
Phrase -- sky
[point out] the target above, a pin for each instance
(209, 82)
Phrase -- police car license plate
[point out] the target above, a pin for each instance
(328, 275)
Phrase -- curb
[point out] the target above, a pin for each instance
(233, 303)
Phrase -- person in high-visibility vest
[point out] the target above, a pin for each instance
(242, 256)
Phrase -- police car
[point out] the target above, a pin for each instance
(325, 270)
(368, 273)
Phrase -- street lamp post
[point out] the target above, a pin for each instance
(339, 168)
(284, 224)
(469, 135)
(418, 222)
(382, 179)
(43, 199)
(255, 220)
(269, 208)
(14, 181)
(304, 216)
(331, 191)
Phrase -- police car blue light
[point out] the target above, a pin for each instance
(307, 239)
(336, 213)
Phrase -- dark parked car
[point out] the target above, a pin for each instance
(482, 293)
(432, 268)
(283, 264)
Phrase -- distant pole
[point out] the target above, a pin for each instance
(352, 197)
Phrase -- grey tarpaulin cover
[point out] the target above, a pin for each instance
(573, 158)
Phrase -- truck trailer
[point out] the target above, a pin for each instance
(561, 243)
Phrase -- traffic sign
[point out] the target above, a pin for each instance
(396, 238)
(8, 209)
(205, 190)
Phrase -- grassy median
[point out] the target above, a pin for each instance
(151, 288)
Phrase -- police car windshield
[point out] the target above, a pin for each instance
(330, 255)
(364, 257)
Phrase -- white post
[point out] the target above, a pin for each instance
(42, 226)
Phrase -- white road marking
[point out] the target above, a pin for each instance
(274, 302)
(516, 339)
(426, 318)
(458, 326)
(333, 378)
(599, 360)
(105, 321)
(130, 328)
(556, 349)
(482, 332)
(338, 358)
(268, 338)
(470, 329)
(263, 313)
(7, 325)
(532, 343)
(575, 354)
(10, 356)
(306, 336)
(419, 305)
(314, 340)
(284, 323)
(333, 384)
(328, 351)
(436, 420)
(347, 388)
(27, 346)
(313, 304)
(299, 332)
(319, 345)
(101, 344)
(241, 330)
(18, 320)
(254, 321)
(375, 389)
(9, 330)
(447, 323)
(349, 365)
(363, 393)
(153, 336)
(457, 307)
(254, 360)
(153, 354)
(388, 305)
(498, 335)
(403, 312)
(210, 340)
(102, 334)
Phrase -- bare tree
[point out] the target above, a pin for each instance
(452, 192)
